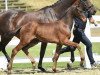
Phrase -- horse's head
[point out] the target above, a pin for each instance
(78, 12)
(88, 6)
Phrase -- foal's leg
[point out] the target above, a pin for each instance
(14, 52)
(42, 52)
(25, 50)
(82, 58)
(23, 42)
(30, 57)
(56, 56)
(67, 42)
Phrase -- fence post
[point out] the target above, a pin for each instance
(88, 34)
(6, 5)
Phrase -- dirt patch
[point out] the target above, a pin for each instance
(49, 72)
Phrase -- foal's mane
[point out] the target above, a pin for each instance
(69, 9)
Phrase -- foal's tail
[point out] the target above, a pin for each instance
(14, 32)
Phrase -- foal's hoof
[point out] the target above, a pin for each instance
(9, 67)
(79, 48)
(34, 67)
(54, 70)
(9, 72)
(82, 65)
(69, 66)
(42, 69)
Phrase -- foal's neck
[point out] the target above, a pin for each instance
(68, 18)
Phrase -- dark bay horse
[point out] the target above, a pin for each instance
(59, 32)
(11, 18)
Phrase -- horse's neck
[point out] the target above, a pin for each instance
(68, 18)
(61, 6)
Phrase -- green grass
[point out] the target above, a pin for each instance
(45, 65)
(34, 51)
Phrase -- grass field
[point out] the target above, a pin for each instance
(34, 51)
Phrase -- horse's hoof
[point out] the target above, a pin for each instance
(42, 69)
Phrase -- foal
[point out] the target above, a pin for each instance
(56, 32)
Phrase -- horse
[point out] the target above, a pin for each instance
(10, 19)
(59, 32)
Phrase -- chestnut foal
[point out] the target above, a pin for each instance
(58, 32)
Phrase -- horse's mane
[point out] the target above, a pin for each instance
(55, 4)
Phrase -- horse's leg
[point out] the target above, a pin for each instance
(69, 65)
(72, 56)
(56, 56)
(42, 52)
(4, 41)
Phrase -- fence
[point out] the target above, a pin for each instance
(3, 63)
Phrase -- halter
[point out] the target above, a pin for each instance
(86, 8)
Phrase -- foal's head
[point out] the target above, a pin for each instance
(78, 12)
